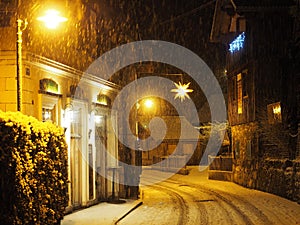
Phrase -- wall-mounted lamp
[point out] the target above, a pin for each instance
(97, 117)
(69, 112)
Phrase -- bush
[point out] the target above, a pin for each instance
(33, 170)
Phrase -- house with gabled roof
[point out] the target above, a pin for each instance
(263, 91)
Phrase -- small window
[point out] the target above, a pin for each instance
(76, 125)
(49, 108)
(274, 113)
(27, 71)
(48, 85)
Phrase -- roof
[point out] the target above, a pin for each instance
(255, 5)
(262, 3)
(225, 9)
(220, 20)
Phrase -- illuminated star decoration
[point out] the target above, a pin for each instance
(182, 91)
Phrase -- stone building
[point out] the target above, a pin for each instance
(263, 91)
(55, 88)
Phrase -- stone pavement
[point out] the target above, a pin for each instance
(101, 214)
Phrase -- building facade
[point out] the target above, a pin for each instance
(263, 91)
(52, 90)
(78, 102)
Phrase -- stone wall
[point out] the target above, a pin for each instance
(276, 176)
(253, 169)
(281, 177)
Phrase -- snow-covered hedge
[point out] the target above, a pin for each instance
(33, 171)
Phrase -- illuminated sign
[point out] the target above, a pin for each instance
(237, 43)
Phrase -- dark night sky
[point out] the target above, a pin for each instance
(187, 23)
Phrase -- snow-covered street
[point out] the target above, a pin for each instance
(194, 199)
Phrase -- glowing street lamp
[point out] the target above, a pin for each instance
(51, 19)
(149, 103)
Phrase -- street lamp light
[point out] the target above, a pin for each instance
(51, 19)
(148, 103)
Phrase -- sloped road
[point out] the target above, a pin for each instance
(194, 199)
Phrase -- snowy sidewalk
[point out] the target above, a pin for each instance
(101, 214)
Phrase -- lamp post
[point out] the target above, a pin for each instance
(51, 19)
(21, 26)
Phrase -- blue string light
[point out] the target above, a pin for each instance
(237, 43)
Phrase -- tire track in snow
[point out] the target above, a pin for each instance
(220, 198)
(238, 200)
(229, 203)
(178, 201)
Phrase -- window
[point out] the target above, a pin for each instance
(49, 108)
(48, 85)
(91, 172)
(76, 125)
(241, 90)
(274, 113)
(240, 93)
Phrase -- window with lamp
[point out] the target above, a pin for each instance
(274, 113)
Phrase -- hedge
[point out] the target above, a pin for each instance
(33, 170)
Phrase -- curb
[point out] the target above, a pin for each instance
(139, 203)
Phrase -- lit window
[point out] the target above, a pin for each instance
(240, 93)
(49, 108)
(274, 113)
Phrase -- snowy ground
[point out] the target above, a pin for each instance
(194, 199)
